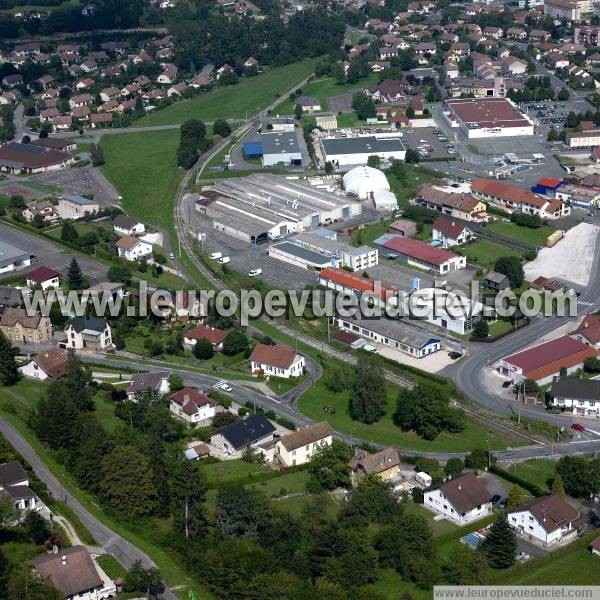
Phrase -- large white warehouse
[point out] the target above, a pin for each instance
(370, 183)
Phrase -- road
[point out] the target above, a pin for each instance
(46, 252)
(112, 543)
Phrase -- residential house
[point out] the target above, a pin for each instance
(308, 104)
(75, 574)
(81, 100)
(451, 233)
(73, 206)
(580, 396)
(45, 277)
(43, 208)
(588, 331)
(132, 249)
(47, 364)
(255, 432)
(177, 90)
(193, 407)
(62, 122)
(168, 76)
(110, 93)
(14, 484)
(205, 332)
(461, 500)
(547, 521)
(298, 447)
(386, 464)
(21, 328)
(496, 282)
(126, 225)
(276, 361)
(13, 258)
(457, 205)
(156, 381)
(88, 333)
(390, 91)
(101, 120)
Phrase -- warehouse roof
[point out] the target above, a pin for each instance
(369, 144)
(280, 142)
(415, 249)
(303, 253)
(10, 254)
(488, 112)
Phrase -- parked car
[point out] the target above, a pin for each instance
(454, 355)
(225, 387)
(255, 273)
(577, 427)
(224, 260)
(215, 255)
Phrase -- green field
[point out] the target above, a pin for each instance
(538, 471)
(322, 89)
(143, 169)
(246, 98)
(475, 435)
(537, 237)
(484, 253)
(224, 472)
(111, 566)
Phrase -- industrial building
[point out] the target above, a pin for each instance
(275, 148)
(263, 206)
(420, 254)
(343, 151)
(488, 117)
(369, 183)
(393, 333)
(589, 138)
(28, 158)
(301, 257)
(13, 258)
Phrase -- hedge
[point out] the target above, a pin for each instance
(530, 487)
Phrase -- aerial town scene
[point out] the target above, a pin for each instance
(299, 300)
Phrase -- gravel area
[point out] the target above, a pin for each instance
(570, 260)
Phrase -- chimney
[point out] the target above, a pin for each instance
(459, 486)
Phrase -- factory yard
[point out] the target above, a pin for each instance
(571, 260)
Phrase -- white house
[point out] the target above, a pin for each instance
(126, 225)
(45, 277)
(75, 573)
(255, 432)
(547, 520)
(14, 484)
(204, 332)
(48, 364)
(449, 232)
(131, 248)
(461, 500)
(157, 381)
(193, 407)
(299, 447)
(277, 361)
(88, 333)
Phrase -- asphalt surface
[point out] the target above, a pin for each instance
(48, 254)
(112, 543)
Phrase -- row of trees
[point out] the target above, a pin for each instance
(192, 141)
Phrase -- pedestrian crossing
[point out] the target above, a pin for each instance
(222, 384)
(584, 303)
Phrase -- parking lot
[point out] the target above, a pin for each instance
(81, 181)
(429, 142)
(549, 113)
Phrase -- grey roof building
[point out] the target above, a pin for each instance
(300, 256)
(581, 396)
(281, 147)
(12, 258)
(356, 150)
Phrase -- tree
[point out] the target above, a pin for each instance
(465, 567)
(329, 466)
(36, 527)
(410, 113)
(454, 467)
(126, 482)
(9, 374)
(481, 330)
(24, 584)
(580, 476)
(372, 501)
(187, 155)
(364, 106)
(8, 513)
(120, 272)
(412, 156)
(203, 349)
(374, 161)
(368, 397)
(552, 135)
(329, 168)
(38, 221)
(426, 410)
(563, 94)
(138, 579)
(558, 487)
(74, 275)
(500, 544)
(240, 513)
(478, 459)
(188, 493)
(511, 267)
(222, 128)
(97, 155)
(298, 111)
(235, 342)
(591, 365)
(516, 497)
(68, 233)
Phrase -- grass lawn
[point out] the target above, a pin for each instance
(438, 528)
(538, 471)
(571, 565)
(60, 508)
(105, 411)
(322, 89)
(281, 386)
(406, 189)
(475, 435)
(484, 253)
(111, 566)
(537, 237)
(23, 395)
(288, 483)
(247, 97)
(143, 169)
(348, 120)
(228, 471)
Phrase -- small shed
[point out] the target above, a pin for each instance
(403, 227)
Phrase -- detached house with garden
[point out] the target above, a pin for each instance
(276, 361)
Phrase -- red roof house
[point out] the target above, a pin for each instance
(43, 276)
(204, 332)
(277, 360)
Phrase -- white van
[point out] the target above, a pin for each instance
(255, 273)
(215, 255)
(224, 260)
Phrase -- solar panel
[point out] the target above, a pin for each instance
(27, 148)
